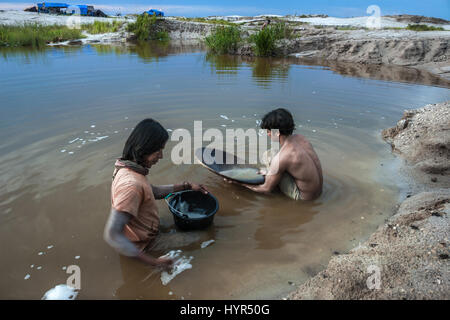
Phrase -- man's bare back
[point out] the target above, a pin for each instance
(302, 163)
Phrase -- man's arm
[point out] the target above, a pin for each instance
(277, 167)
(113, 235)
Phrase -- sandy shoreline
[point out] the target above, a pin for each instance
(411, 250)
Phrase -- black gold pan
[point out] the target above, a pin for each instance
(207, 157)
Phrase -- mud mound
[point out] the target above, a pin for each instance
(422, 137)
(418, 19)
(410, 253)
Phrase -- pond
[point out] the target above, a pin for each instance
(67, 111)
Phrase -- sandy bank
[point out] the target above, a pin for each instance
(411, 251)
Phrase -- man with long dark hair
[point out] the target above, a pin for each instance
(133, 225)
(296, 168)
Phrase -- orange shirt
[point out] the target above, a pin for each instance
(132, 193)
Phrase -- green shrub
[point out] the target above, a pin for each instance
(36, 35)
(265, 42)
(143, 26)
(224, 39)
(423, 27)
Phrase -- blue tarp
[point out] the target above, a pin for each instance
(83, 9)
(155, 12)
(52, 5)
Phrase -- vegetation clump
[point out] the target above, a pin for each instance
(36, 35)
(224, 39)
(144, 28)
(423, 27)
(102, 27)
(265, 39)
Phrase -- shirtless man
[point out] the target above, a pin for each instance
(296, 167)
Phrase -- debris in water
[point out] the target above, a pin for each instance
(50, 246)
(207, 243)
(170, 293)
(40, 253)
(77, 257)
(180, 264)
(76, 139)
(70, 152)
(63, 150)
(39, 268)
(60, 292)
(32, 266)
(93, 126)
(27, 277)
(224, 117)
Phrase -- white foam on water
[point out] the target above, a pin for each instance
(32, 266)
(50, 246)
(60, 292)
(40, 253)
(207, 243)
(27, 277)
(64, 268)
(77, 257)
(39, 268)
(76, 139)
(93, 126)
(224, 117)
(101, 138)
(181, 264)
(70, 152)
(63, 150)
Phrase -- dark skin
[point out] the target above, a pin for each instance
(114, 235)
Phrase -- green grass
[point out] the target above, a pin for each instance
(144, 29)
(36, 35)
(423, 27)
(265, 39)
(102, 27)
(223, 39)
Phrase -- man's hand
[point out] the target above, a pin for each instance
(161, 262)
(165, 263)
(199, 187)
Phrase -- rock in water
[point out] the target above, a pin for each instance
(60, 292)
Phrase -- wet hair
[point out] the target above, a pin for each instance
(148, 136)
(280, 119)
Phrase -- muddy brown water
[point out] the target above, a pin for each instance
(86, 100)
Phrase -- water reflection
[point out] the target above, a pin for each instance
(268, 70)
(264, 70)
(149, 51)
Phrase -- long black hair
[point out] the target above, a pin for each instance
(147, 137)
(280, 119)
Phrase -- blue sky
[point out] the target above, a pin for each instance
(344, 8)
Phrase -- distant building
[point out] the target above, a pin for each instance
(64, 8)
